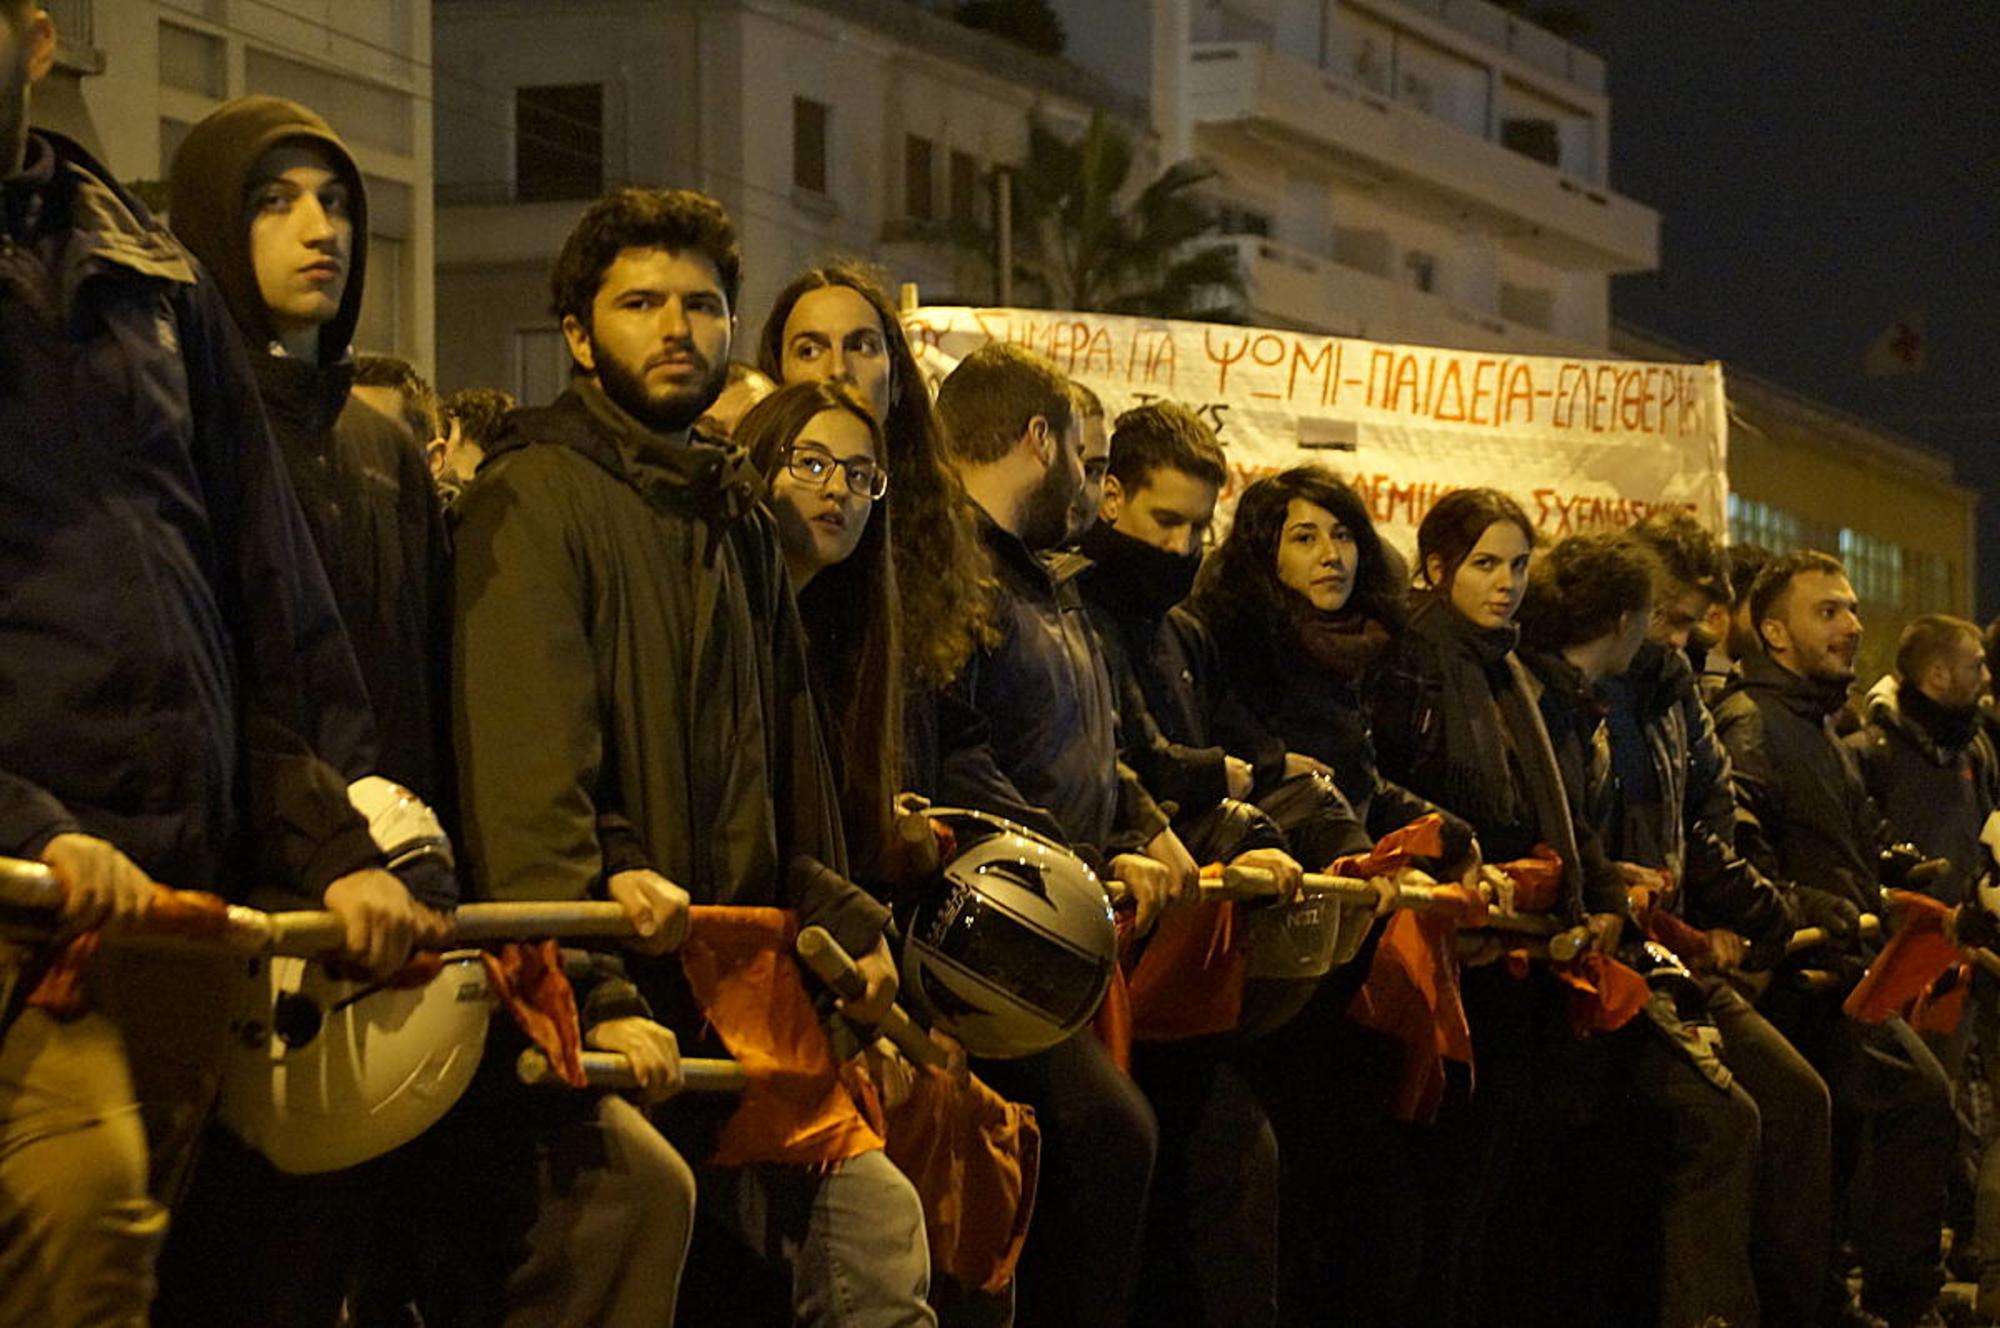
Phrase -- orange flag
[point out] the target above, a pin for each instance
(1188, 982)
(191, 913)
(1537, 878)
(528, 980)
(1114, 1018)
(795, 1108)
(1412, 995)
(974, 1157)
(1942, 1006)
(1916, 956)
(1421, 838)
(1605, 995)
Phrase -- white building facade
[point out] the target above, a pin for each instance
(1430, 171)
(828, 128)
(134, 75)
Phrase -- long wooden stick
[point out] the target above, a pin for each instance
(1257, 883)
(30, 888)
(1811, 938)
(611, 1069)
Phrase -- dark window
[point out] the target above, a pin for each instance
(964, 187)
(809, 144)
(559, 142)
(1532, 138)
(917, 185)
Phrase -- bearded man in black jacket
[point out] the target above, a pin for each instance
(1807, 818)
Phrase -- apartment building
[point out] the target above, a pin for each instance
(1430, 171)
(134, 75)
(828, 127)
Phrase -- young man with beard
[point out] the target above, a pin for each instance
(1046, 700)
(633, 702)
(1808, 819)
(175, 673)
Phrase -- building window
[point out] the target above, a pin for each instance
(1423, 269)
(1531, 306)
(559, 142)
(809, 144)
(1874, 567)
(918, 190)
(964, 188)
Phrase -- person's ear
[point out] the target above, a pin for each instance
(1434, 571)
(1041, 440)
(434, 454)
(1774, 635)
(578, 337)
(39, 41)
(1113, 500)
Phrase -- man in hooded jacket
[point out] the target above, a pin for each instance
(269, 199)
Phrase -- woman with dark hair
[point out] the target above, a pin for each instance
(835, 323)
(1457, 719)
(821, 453)
(1303, 585)
(1302, 600)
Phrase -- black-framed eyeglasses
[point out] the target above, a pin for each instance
(812, 465)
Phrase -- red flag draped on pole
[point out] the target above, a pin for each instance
(974, 1157)
(795, 1108)
(1915, 957)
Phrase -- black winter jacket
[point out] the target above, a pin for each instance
(1804, 815)
(1288, 705)
(1690, 833)
(171, 663)
(363, 484)
(1934, 777)
(629, 655)
(1045, 699)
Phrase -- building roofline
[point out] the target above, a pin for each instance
(910, 21)
(1845, 429)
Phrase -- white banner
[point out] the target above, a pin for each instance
(1583, 444)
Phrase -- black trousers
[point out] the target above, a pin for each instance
(1099, 1142)
(1894, 1135)
(1211, 1247)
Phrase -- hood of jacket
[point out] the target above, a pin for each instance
(211, 180)
(62, 191)
(710, 479)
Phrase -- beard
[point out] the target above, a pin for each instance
(663, 412)
(1045, 515)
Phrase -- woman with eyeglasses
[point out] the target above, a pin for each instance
(821, 452)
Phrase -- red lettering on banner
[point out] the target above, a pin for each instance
(1326, 364)
(1451, 395)
(1268, 351)
(1406, 379)
(1520, 388)
(1223, 359)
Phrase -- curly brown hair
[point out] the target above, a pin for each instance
(941, 568)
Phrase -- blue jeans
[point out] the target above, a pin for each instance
(852, 1237)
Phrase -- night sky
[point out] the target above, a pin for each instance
(1822, 169)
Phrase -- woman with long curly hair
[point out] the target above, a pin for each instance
(1303, 599)
(836, 323)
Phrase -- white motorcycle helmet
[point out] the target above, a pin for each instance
(327, 1072)
(1013, 951)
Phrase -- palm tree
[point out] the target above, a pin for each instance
(1078, 245)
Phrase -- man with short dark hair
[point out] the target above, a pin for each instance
(635, 713)
(1729, 623)
(180, 693)
(745, 386)
(396, 390)
(1807, 818)
(473, 419)
(1045, 694)
(1096, 460)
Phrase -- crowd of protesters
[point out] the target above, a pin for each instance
(694, 632)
